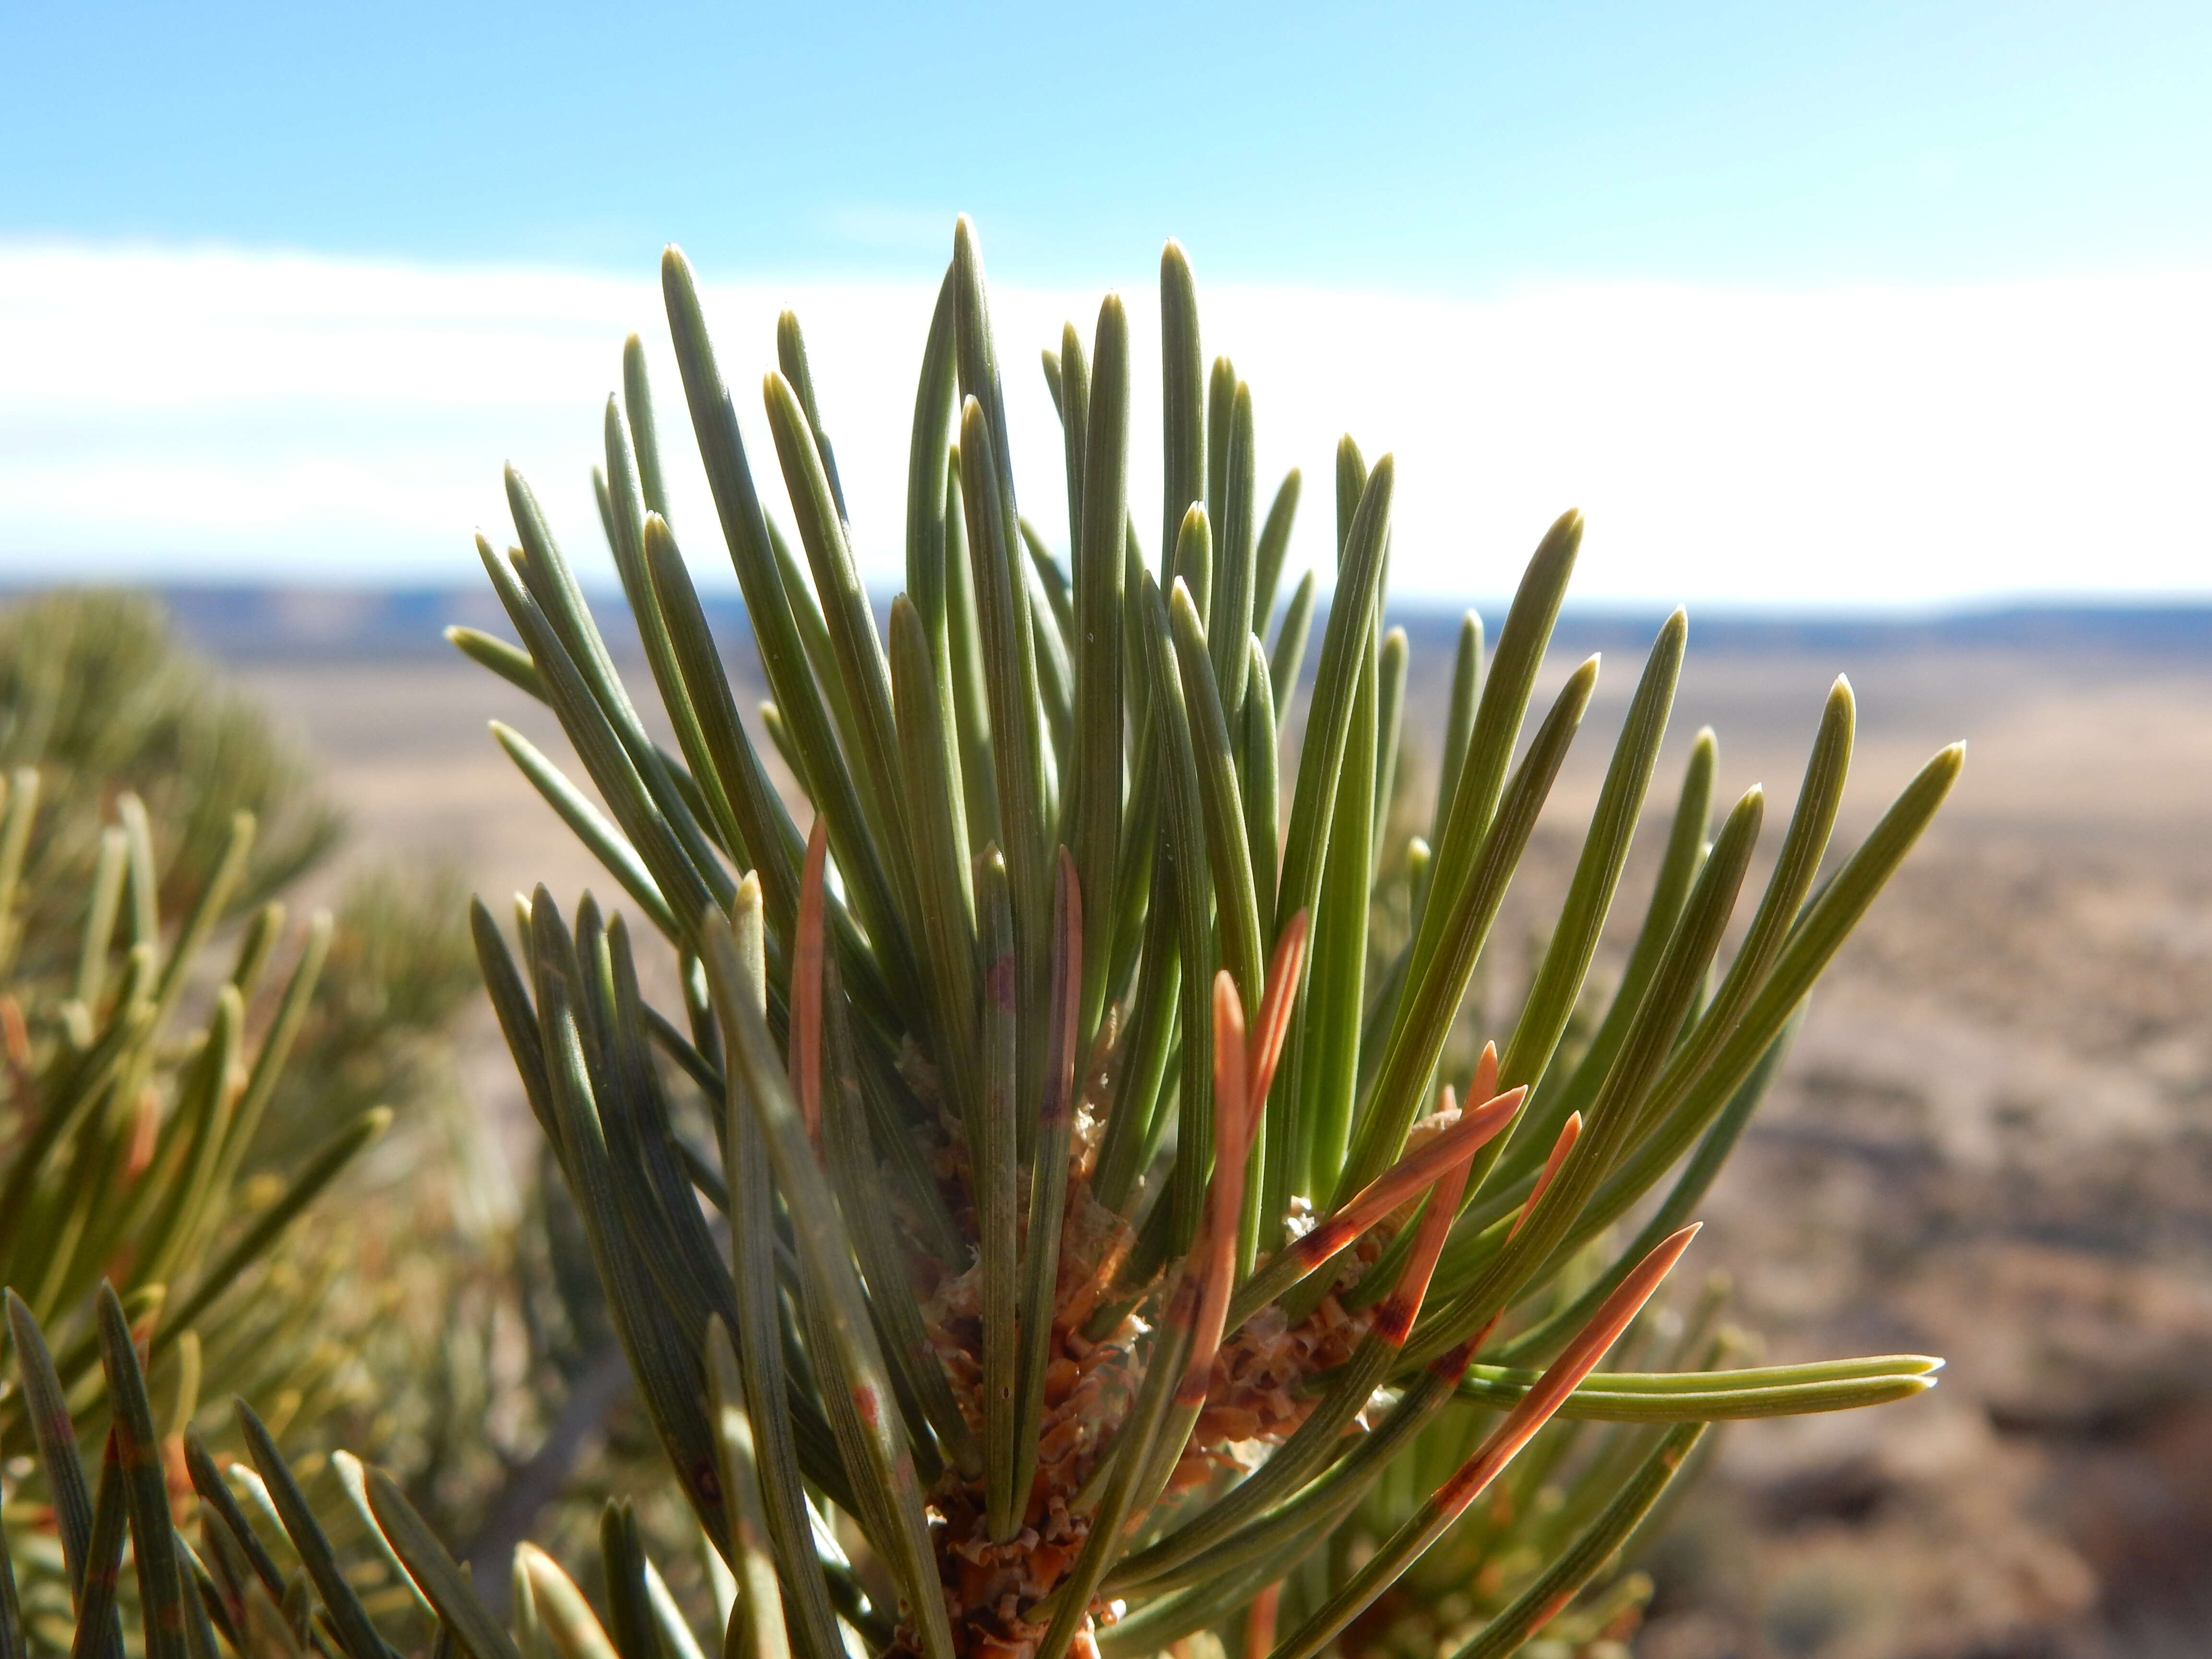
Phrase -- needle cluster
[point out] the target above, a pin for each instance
(1086, 1223)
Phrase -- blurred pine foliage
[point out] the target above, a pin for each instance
(190, 1072)
(98, 697)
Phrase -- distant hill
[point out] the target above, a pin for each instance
(258, 624)
(2173, 630)
(243, 623)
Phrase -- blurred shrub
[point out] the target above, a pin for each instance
(187, 1072)
(437, 1315)
(96, 694)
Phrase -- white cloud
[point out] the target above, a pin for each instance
(176, 414)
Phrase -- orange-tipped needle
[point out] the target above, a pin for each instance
(1396, 1316)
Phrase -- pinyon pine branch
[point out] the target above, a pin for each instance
(1157, 1297)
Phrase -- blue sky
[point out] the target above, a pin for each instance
(1897, 174)
(1447, 148)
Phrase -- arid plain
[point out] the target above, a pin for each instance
(1993, 1140)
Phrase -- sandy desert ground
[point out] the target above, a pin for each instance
(1994, 1140)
